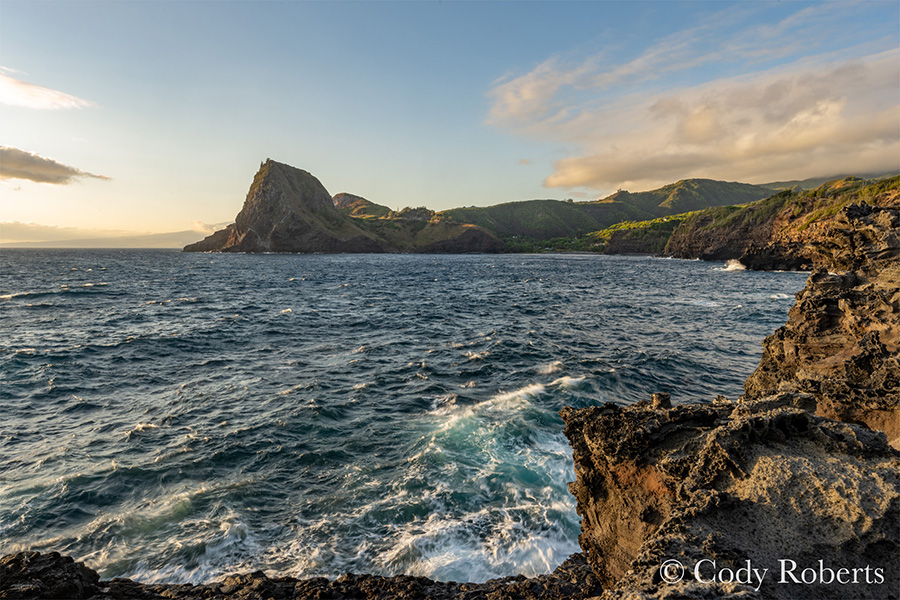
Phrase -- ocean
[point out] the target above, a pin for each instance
(175, 417)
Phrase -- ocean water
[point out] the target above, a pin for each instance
(175, 417)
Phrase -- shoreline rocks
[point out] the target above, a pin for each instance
(841, 342)
(31, 576)
(718, 485)
(796, 479)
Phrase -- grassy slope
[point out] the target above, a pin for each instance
(359, 207)
(786, 214)
(531, 222)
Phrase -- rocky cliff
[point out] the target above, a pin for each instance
(793, 490)
(289, 210)
(842, 339)
(783, 232)
(747, 499)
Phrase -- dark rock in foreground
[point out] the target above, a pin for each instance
(796, 479)
(722, 484)
(31, 575)
(842, 339)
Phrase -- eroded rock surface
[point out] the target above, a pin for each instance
(842, 339)
(31, 575)
(731, 482)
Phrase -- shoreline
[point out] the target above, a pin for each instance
(699, 484)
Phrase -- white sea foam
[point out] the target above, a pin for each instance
(568, 381)
(140, 427)
(705, 303)
(223, 546)
(444, 405)
(734, 265)
(446, 547)
(476, 355)
(552, 367)
(517, 397)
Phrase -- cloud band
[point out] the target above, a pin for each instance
(19, 164)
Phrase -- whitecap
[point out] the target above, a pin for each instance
(734, 265)
(567, 381)
(518, 396)
(140, 427)
(705, 303)
(553, 367)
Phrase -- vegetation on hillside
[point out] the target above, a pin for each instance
(537, 223)
(625, 222)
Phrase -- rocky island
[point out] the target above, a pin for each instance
(289, 210)
(791, 491)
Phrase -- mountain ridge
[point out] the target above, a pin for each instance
(288, 210)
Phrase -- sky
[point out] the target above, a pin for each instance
(149, 117)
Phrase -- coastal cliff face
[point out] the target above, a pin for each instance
(715, 486)
(783, 232)
(796, 474)
(289, 210)
(842, 339)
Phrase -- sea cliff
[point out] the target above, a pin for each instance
(791, 491)
(288, 210)
(786, 231)
(796, 474)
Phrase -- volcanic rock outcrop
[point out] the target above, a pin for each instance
(722, 487)
(289, 210)
(796, 479)
(842, 339)
(32, 576)
(783, 232)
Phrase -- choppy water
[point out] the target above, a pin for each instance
(174, 417)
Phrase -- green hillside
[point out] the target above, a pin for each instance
(359, 207)
(723, 232)
(533, 221)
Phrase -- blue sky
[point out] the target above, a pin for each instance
(153, 116)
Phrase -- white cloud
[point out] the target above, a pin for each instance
(208, 228)
(635, 125)
(15, 92)
(19, 164)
